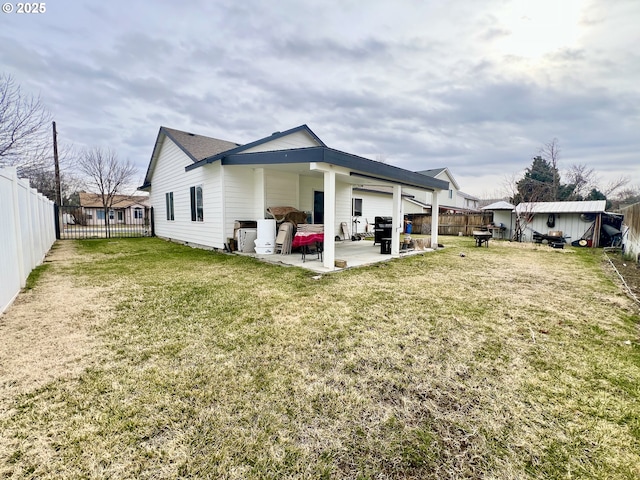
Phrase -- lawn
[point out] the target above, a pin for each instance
(507, 362)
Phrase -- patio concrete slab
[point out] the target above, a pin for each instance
(356, 254)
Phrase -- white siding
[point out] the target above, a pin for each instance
(282, 189)
(239, 197)
(169, 176)
(307, 186)
(374, 205)
(294, 140)
(569, 224)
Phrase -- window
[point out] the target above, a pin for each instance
(450, 193)
(111, 214)
(197, 210)
(100, 214)
(357, 207)
(168, 197)
(137, 212)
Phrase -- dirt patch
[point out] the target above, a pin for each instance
(48, 332)
(630, 272)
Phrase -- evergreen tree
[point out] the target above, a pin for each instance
(538, 182)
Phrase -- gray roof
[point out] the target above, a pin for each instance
(591, 206)
(501, 205)
(432, 172)
(198, 147)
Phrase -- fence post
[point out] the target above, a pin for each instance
(56, 218)
(17, 227)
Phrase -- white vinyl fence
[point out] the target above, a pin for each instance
(27, 231)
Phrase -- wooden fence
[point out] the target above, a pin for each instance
(450, 223)
(27, 231)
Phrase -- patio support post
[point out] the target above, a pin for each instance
(435, 219)
(397, 221)
(258, 191)
(329, 254)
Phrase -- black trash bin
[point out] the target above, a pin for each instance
(385, 246)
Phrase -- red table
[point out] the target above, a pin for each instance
(304, 239)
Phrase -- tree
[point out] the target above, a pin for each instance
(538, 182)
(24, 128)
(583, 180)
(108, 175)
(551, 153)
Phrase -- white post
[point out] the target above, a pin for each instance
(329, 254)
(397, 221)
(435, 221)
(259, 197)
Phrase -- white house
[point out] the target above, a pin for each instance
(376, 200)
(200, 186)
(453, 199)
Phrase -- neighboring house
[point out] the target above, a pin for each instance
(631, 231)
(125, 210)
(452, 200)
(200, 186)
(586, 221)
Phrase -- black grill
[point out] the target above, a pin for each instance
(382, 228)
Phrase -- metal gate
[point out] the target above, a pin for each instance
(74, 222)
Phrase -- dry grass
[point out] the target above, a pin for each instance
(508, 362)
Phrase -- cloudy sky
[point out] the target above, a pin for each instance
(475, 86)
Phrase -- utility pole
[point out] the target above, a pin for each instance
(57, 166)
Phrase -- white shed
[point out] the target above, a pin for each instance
(502, 218)
(585, 223)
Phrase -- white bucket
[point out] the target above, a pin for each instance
(267, 230)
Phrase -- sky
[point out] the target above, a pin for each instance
(478, 87)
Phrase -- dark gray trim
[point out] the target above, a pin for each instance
(276, 157)
(242, 148)
(357, 165)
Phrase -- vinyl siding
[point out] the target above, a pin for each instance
(239, 197)
(169, 176)
(294, 140)
(282, 189)
(375, 205)
(307, 186)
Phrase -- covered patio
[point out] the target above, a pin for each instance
(356, 254)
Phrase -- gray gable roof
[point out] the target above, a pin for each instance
(198, 147)
(432, 172)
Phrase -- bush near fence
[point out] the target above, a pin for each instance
(27, 232)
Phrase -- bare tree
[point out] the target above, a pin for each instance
(582, 179)
(551, 153)
(107, 174)
(509, 186)
(615, 185)
(24, 128)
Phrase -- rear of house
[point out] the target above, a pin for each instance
(200, 187)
